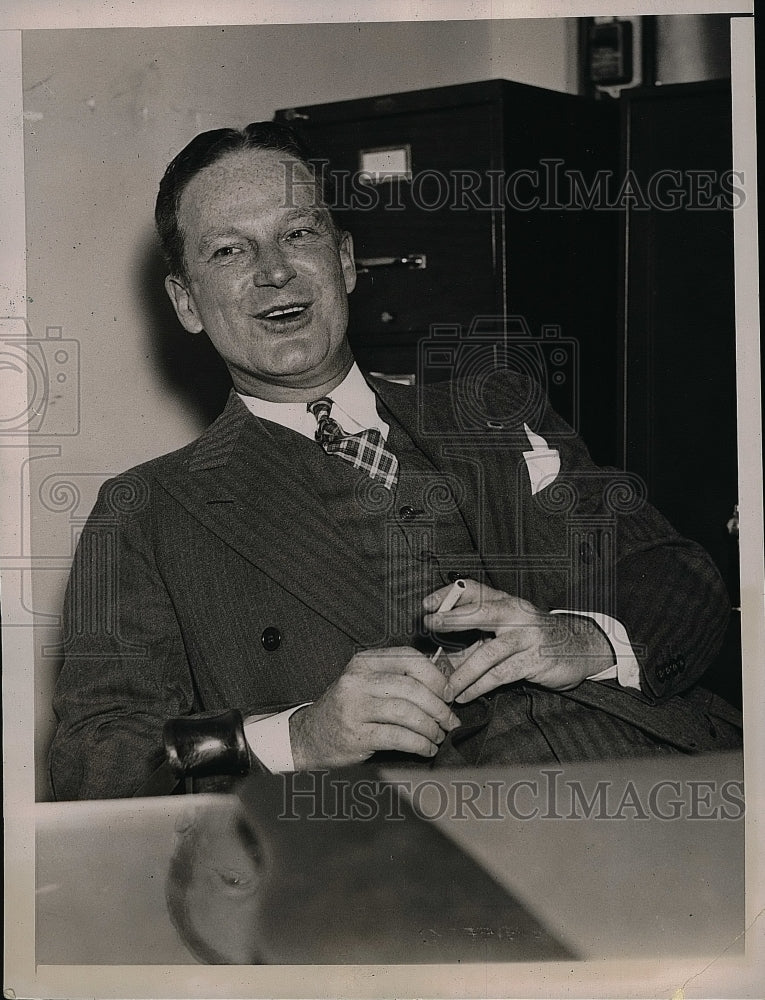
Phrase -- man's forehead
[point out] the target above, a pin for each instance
(274, 177)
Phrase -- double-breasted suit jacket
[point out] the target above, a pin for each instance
(214, 577)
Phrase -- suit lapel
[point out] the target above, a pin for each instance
(261, 502)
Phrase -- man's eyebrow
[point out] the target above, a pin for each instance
(316, 215)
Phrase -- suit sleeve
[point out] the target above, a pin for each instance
(629, 562)
(125, 669)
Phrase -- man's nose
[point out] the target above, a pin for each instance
(273, 267)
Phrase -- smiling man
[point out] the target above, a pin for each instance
(268, 283)
(293, 561)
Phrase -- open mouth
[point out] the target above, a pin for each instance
(284, 313)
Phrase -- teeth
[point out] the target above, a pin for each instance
(289, 311)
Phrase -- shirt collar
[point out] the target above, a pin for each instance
(354, 408)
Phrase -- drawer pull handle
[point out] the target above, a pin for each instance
(412, 262)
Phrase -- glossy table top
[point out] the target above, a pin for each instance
(591, 861)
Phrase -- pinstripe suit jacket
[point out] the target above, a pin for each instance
(188, 559)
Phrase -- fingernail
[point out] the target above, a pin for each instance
(448, 693)
(453, 722)
(433, 751)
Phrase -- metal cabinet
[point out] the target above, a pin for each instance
(678, 350)
(470, 211)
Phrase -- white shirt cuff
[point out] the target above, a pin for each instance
(626, 669)
(269, 739)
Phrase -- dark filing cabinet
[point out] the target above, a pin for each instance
(475, 237)
(678, 352)
(679, 345)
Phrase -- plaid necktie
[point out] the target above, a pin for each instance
(365, 450)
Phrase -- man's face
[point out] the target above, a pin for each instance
(268, 277)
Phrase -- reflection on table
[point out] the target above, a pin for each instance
(631, 858)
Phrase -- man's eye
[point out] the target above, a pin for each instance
(223, 252)
(297, 234)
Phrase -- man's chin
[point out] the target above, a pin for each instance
(297, 369)
(297, 376)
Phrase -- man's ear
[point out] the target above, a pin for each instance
(347, 261)
(183, 303)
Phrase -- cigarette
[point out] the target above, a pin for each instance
(446, 605)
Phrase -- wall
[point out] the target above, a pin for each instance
(692, 47)
(105, 110)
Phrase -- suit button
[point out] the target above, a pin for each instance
(661, 673)
(271, 638)
(407, 513)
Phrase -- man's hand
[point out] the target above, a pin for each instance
(385, 699)
(557, 651)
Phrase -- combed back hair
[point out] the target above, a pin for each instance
(206, 149)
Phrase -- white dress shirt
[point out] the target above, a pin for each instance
(354, 408)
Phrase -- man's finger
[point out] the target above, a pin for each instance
(488, 617)
(391, 687)
(484, 685)
(399, 712)
(407, 662)
(487, 656)
(435, 599)
(382, 736)
(473, 592)
(458, 656)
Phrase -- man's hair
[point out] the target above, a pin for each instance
(206, 149)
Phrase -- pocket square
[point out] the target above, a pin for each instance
(542, 462)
